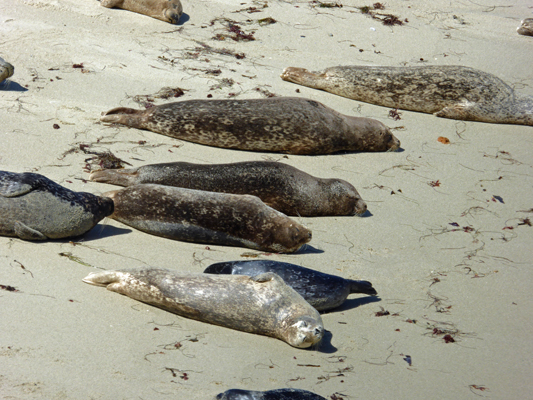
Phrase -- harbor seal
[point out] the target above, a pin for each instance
(526, 27)
(278, 185)
(32, 207)
(164, 10)
(322, 291)
(277, 394)
(447, 91)
(262, 304)
(278, 124)
(207, 217)
(6, 70)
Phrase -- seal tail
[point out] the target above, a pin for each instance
(124, 116)
(364, 287)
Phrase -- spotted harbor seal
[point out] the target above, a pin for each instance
(278, 124)
(322, 291)
(165, 10)
(278, 185)
(262, 304)
(207, 217)
(6, 70)
(447, 91)
(278, 394)
(32, 207)
(526, 27)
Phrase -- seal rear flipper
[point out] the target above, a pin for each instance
(102, 278)
(124, 116)
(120, 177)
(364, 287)
(27, 233)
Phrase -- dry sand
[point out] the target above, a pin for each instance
(446, 243)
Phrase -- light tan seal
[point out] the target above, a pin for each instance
(165, 10)
(526, 27)
(32, 207)
(279, 124)
(262, 304)
(207, 217)
(447, 91)
(6, 70)
(280, 186)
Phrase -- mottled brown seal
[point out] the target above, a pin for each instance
(526, 27)
(447, 91)
(280, 186)
(207, 217)
(6, 70)
(32, 207)
(165, 10)
(278, 124)
(262, 304)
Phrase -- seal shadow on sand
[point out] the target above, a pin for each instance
(353, 303)
(103, 230)
(325, 345)
(308, 249)
(10, 86)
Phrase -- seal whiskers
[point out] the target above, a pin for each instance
(447, 91)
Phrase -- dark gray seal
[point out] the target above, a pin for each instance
(280, 186)
(278, 124)
(6, 70)
(322, 291)
(447, 91)
(526, 27)
(32, 207)
(207, 217)
(263, 304)
(277, 394)
(164, 10)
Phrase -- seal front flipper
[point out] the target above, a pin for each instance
(11, 187)
(265, 277)
(27, 233)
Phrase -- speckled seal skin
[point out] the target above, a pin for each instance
(262, 304)
(165, 10)
(6, 70)
(277, 394)
(447, 91)
(32, 207)
(526, 27)
(322, 291)
(279, 124)
(280, 186)
(207, 217)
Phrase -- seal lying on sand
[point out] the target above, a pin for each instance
(278, 394)
(280, 186)
(32, 207)
(207, 217)
(165, 10)
(6, 70)
(447, 91)
(262, 304)
(322, 291)
(279, 124)
(526, 27)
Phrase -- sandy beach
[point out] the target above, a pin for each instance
(446, 242)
